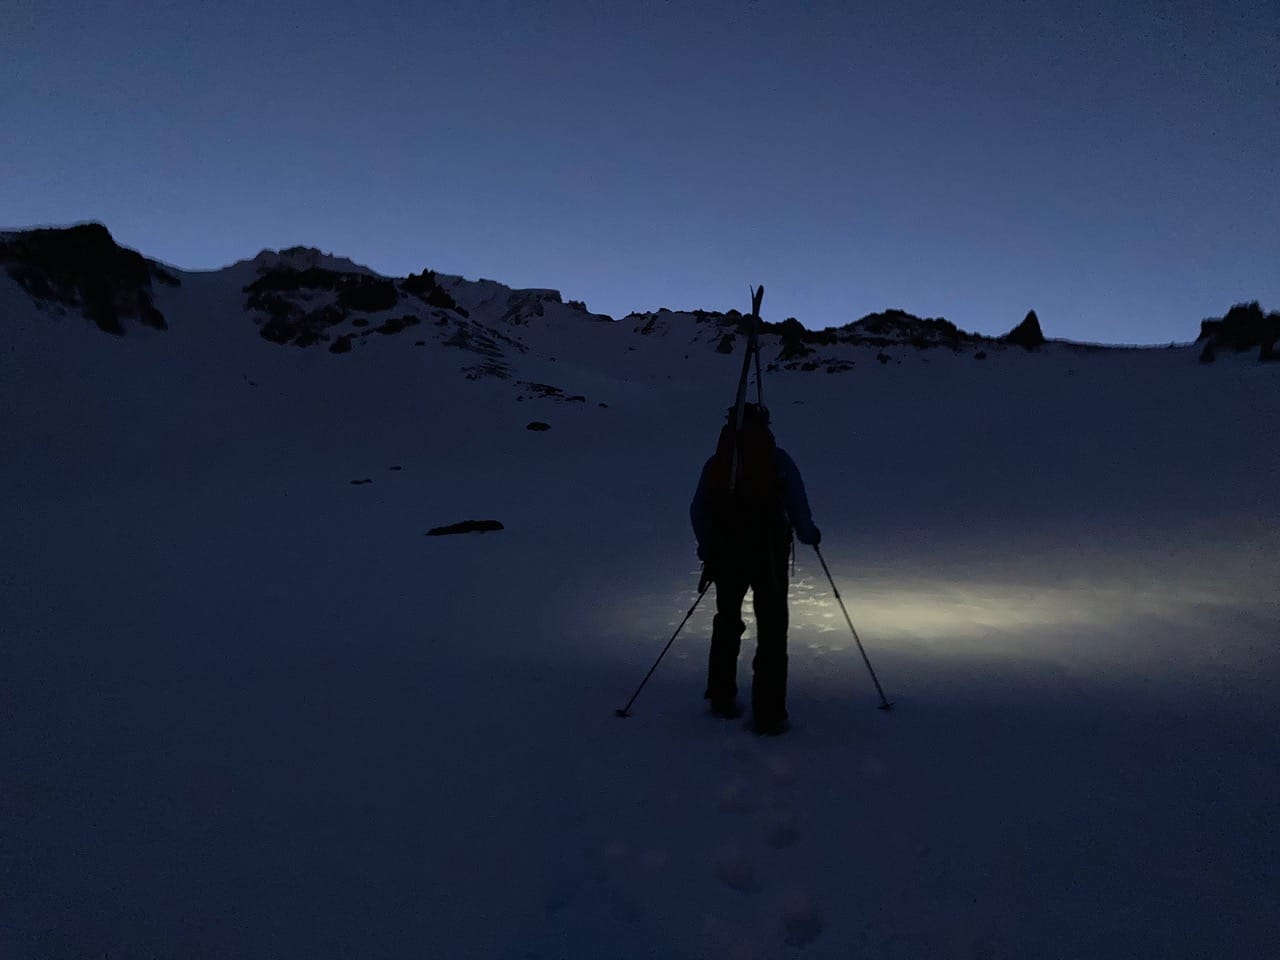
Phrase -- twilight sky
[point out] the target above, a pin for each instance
(1113, 165)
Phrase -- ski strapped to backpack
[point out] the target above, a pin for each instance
(743, 485)
(753, 349)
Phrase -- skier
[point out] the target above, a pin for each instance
(750, 497)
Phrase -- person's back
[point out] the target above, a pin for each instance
(749, 498)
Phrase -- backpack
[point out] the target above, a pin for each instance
(751, 513)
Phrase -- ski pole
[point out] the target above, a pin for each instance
(884, 703)
(626, 711)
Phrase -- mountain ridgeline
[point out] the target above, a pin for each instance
(83, 269)
(301, 298)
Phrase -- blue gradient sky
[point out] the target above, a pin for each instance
(1114, 166)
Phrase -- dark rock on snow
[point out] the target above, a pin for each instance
(369, 296)
(466, 526)
(1026, 334)
(891, 327)
(285, 294)
(83, 268)
(396, 324)
(548, 392)
(538, 425)
(1244, 327)
(426, 287)
(525, 305)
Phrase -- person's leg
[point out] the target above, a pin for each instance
(726, 641)
(769, 677)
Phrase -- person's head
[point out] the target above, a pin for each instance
(752, 414)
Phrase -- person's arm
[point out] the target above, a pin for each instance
(797, 500)
(698, 511)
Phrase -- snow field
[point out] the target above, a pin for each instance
(250, 711)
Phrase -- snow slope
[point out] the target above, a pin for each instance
(249, 710)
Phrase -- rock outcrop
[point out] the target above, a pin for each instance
(1244, 327)
(1026, 334)
(466, 526)
(83, 268)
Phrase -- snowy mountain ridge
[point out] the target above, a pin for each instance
(303, 297)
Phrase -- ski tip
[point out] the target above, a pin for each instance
(621, 712)
(885, 706)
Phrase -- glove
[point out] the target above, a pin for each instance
(705, 580)
(814, 537)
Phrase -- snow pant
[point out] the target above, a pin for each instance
(766, 577)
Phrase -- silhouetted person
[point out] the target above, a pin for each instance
(743, 515)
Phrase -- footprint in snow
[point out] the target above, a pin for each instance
(737, 797)
(780, 768)
(734, 869)
(601, 879)
(616, 864)
(623, 906)
(562, 898)
(781, 822)
(568, 881)
(772, 793)
(801, 921)
(654, 860)
(782, 830)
